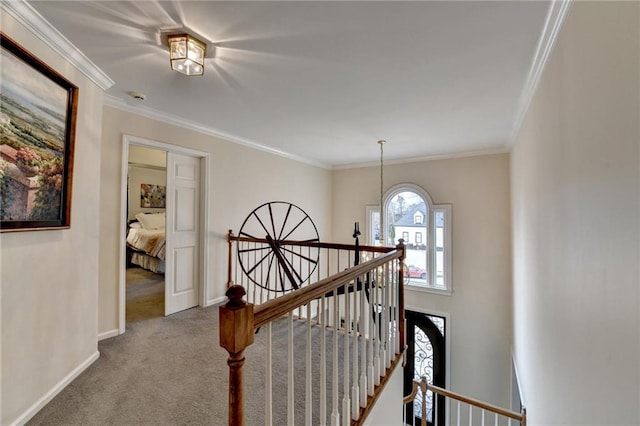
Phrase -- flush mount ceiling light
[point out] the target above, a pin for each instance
(186, 54)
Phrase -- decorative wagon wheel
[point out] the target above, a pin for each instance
(278, 260)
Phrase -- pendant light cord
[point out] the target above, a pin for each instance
(383, 233)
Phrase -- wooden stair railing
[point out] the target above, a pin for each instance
(423, 387)
(239, 321)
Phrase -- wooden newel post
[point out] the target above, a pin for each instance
(236, 334)
(402, 248)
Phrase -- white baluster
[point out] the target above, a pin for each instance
(378, 327)
(335, 413)
(291, 372)
(363, 351)
(470, 414)
(268, 395)
(495, 416)
(458, 423)
(346, 401)
(323, 362)
(355, 389)
(482, 421)
(434, 407)
(385, 322)
(396, 292)
(308, 393)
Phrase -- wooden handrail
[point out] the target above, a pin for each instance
(424, 386)
(319, 244)
(476, 402)
(275, 308)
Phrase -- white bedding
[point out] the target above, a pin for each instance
(152, 242)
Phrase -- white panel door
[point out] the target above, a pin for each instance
(183, 245)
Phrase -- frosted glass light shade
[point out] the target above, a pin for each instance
(186, 54)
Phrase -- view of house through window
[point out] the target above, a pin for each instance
(407, 218)
(411, 216)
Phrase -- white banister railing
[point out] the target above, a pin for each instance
(429, 413)
(342, 335)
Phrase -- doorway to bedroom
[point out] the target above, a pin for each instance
(162, 214)
(145, 243)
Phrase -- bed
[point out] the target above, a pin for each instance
(146, 241)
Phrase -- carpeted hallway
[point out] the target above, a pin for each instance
(171, 371)
(163, 370)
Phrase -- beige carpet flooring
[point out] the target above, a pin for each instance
(172, 371)
(145, 295)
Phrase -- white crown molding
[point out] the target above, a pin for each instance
(118, 103)
(30, 18)
(462, 154)
(555, 18)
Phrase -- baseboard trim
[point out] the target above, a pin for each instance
(215, 301)
(55, 390)
(108, 334)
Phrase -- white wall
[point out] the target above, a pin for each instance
(575, 207)
(148, 156)
(49, 279)
(388, 408)
(148, 166)
(240, 180)
(479, 308)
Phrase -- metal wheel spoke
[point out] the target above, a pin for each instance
(284, 222)
(273, 225)
(254, 249)
(248, 235)
(258, 263)
(292, 268)
(261, 224)
(269, 269)
(281, 273)
(296, 227)
(308, 259)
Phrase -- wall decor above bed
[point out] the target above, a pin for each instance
(37, 124)
(154, 196)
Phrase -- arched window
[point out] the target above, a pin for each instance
(425, 228)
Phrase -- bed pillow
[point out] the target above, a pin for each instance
(151, 221)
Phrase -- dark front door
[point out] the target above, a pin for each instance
(426, 356)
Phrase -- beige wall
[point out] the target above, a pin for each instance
(479, 308)
(240, 179)
(575, 206)
(49, 279)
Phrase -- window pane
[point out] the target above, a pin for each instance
(439, 247)
(374, 227)
(406, 215)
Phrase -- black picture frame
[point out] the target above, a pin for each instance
(38, 109)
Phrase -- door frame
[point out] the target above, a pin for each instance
(128, 140)
(447, 345)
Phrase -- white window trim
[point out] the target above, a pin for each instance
(369, 211)
(431, 234)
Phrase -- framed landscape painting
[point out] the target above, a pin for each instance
(37, 132)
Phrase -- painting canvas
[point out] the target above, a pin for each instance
(153, 196)
(37, 131)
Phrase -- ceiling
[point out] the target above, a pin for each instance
(323, 81)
